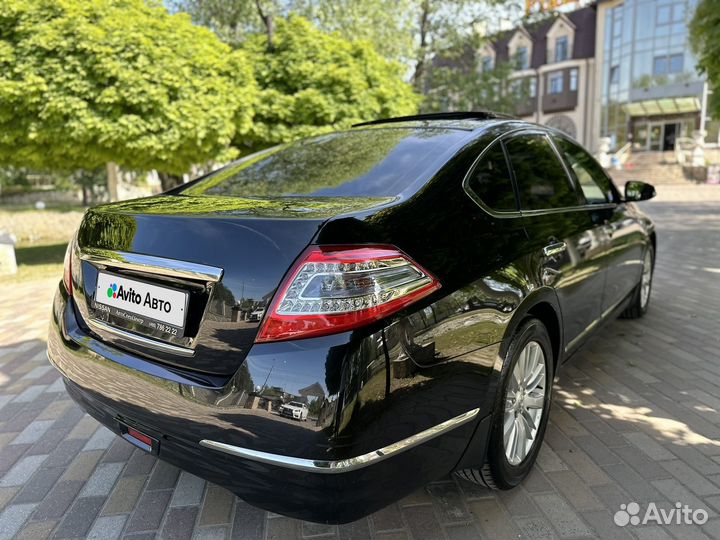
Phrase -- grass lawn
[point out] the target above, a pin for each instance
(49, 207)
(35, 227)
(42, 236)
(37, 262)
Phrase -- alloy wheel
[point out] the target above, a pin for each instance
(524, 403)
(646, 279)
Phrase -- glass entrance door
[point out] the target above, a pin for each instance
(660, 136)
(640, 136)
(655, 137)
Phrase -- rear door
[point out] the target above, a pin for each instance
(624, 235)
(567, 244)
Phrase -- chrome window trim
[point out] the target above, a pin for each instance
(140, 340)
(568, 173)
(613, 188)
(579, 208)
(466, 179)
(344, 465)
(151, 264)
(530, 213)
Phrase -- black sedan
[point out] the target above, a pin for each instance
(410, 287)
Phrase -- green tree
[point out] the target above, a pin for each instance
(83, 84)
(456, 81)
(444, 24)
(87, 180)
(388, 26)
(313, 82)
(235, 20)
(410, 31)
(705, 40)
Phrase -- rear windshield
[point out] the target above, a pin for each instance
(363, 163)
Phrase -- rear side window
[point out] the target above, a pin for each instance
(590, 176)
(541, 179)
(490, 180)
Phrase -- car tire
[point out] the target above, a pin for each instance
(504, 468)
(641, 295)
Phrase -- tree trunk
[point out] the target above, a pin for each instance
(269, 23)
(169, 181)
(86, 198)
(419, 75)
(112, 181)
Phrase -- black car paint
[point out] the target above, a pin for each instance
(433, 361)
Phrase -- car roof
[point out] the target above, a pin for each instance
(474, 122)
(465, 117)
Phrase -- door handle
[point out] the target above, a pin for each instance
(556, 248)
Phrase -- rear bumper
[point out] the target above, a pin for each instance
(319, 470)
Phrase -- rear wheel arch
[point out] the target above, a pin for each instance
(653, 241)
(542, 304)
(546, 314)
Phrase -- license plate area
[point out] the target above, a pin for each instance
(137, 305)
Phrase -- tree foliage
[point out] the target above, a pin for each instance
(389, 26)
(472, 89)
(231, 20)
(705, 40)
(85, 83)
(313, 82)
(410, 31)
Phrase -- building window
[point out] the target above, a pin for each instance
(676, 63)
(561, 49)
(487, 63)
(660, 65)
(573, 80)
(533, 87)
(555, 83)
(664, 15)
(614, 74)
(679, 12)
(521, 58)
(667, 65)
(670, 13)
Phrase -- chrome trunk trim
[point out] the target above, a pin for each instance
(140, 340)
(345, 465)
(151, 264)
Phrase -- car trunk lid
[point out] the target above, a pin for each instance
(224, 257)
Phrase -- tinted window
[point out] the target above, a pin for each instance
(364, 163)
(541, 178)
(490, 180)
(589, 174)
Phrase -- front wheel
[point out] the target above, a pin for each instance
(521, 410)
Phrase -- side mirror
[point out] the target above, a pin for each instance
(638, 191)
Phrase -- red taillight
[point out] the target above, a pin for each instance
(337, 288)
(67, 269)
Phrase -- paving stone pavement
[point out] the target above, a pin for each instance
(635, 418)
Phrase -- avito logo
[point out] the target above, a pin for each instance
(112, 291)
(679, 514)
(129, 295)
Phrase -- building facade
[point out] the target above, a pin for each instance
(554, 67)
(648, 92)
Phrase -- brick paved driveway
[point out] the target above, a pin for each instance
(635, 419)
